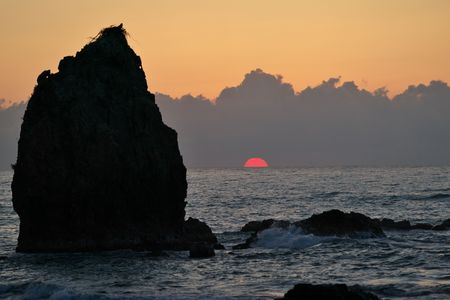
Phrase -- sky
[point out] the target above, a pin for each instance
(200, 47)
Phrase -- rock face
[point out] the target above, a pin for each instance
(201, 250)
(304, 291)
(96, 167)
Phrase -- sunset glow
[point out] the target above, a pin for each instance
(200, 47)
(225, 149)
(256, 162)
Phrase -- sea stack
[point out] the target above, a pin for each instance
(97, 168)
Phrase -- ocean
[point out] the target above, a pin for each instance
(403, 265)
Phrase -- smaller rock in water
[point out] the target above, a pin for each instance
(196, 231)
(256, 226)
(443, 226)
(391, 224)
(248, 242)
(201, 250)
(422, 226)
(305, 291)
(338, 223)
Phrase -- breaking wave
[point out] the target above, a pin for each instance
(291, 238)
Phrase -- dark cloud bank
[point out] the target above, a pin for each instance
(332, 124)
(10, 120)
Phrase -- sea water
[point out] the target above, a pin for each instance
(403, 265)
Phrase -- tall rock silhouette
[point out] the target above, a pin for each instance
(96, 167)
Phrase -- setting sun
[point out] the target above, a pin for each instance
(255, 162)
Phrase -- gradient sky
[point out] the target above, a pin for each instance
(200, 47)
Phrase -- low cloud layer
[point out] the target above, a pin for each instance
(10, 121)
(332, 124)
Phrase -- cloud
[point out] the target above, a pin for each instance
(333, 123)
(10, 121)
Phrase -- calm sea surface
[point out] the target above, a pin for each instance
(412, 265)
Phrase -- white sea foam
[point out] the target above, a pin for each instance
(292, 237)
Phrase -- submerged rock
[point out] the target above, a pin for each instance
(97, 168)
(304, 291)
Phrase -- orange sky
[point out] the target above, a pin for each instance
(203, 46)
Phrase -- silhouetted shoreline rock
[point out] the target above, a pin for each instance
(337, 223)
(97, 169)
(254, 226)
(304, 291)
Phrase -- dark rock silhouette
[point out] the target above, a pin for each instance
(304, 291)
(391, 224)
(254, 226)
(96, 167)
(248, 242)
(422, 226)
(329, 223)
(201, 250)
(198, 232)
(337, 223)
(445, 225)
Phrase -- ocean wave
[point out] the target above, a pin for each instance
(41, 290)
(326, 194)
(291, 238)
(420, 197)
(438, 196)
